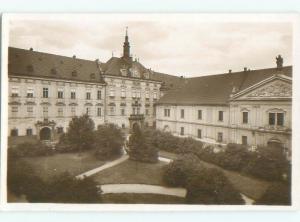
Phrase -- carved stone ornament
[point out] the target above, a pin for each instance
(276, 89)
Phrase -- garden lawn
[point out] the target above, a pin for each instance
(134, 198)
(132, 172)
(249, 186)
(47, 166)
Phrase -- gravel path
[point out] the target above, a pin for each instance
(142, 188)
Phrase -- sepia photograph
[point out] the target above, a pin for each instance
(168, 109)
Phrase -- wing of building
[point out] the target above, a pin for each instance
(46, 91)
(249, 107)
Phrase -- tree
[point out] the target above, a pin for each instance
(177, 172)
(109, 140)
(80, 133)
(210, 186)
(140, 149)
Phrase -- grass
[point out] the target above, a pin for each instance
(132, 172)
(75, 164)
(249, 186)
(133, 198)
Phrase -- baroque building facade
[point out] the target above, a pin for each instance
(46, 91)
(252, 108)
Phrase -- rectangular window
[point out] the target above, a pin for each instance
(199, 133)
(111, 92)
(14, 132)
(220, 115)
(60, 112)
(245, 117)
(272, 119)
(112, 110)
(181, 131)
(30, 93)
(73, 94)
(15, 92)
(123, 112)
(30, 110)
(147, 112)
(60, 94)
(280, 119)
(99, 94)
(87, 111)
(60, 130)
(98, 111)
(199, 114)
(182, 114)
(45, 92)
(147, 95)
(14, 111)
(45, 111)
(123, 93)
(133, 94)
(220, 137)
(88, 95)
(73, 111)
(155, 95)
(167, 112)
(244, 140)
(29, 132)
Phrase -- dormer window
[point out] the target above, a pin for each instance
(74, 73)
(93, 76)
(29, 68)
(53, 71)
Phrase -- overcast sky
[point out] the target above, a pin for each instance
(188, 48)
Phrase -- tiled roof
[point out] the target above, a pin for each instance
(216, 89)
(38, 64)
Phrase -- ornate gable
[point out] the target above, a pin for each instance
(275, 89)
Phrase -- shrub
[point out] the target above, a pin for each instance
(210, 186)
(139, 147)
(176, 173)
(21, 179)
(63, 188)
(80, 134)
(30, 149)
(276, 194)
(268, 165)
(109, 140)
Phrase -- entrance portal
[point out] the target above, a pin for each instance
(45, 133)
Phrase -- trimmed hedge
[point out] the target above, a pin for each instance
(29, 150)
(265, 163)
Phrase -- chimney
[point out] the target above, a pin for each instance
(74, 56)
(31, 49)
(245, 69)
(229, 71)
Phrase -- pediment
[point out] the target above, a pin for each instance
(272, 90)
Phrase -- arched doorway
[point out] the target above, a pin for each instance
(45, 133)
(135, 125)
(277, 146)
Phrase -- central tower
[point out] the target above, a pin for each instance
(126, 47)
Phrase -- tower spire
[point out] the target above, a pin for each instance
(126, 46)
